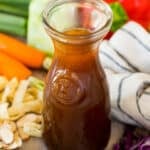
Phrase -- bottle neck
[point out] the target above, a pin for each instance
(76, 57)
(75, 49)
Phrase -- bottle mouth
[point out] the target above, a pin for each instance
(94, 16)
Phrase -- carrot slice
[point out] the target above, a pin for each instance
(27, 55)
(10, 67)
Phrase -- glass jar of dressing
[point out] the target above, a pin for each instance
(76, 99)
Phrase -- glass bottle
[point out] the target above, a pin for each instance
(76, 100)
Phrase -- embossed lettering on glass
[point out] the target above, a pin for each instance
(66, 88)
(76, 100)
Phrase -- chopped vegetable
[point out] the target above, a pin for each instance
(22, 134)
(18, 110)
(11, 68)
(9, 90)
(14, 10)
(24, 3)
(6, 134)
(21, 52)
(9, 139)
(144, 144)
(20, 93)
(33, 129)
(134, 139)
(47, 62)
(13, 16)
(20, 119)
(3, 82)
(36, 83)
(27, 123)
(4, 111)
(15, 25)
(28, 118)
(16, 143)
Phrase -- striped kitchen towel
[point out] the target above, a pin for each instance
(126, 60)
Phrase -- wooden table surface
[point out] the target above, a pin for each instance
(33, 144)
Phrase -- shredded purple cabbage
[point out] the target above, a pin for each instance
(132, 141)
(144, 144)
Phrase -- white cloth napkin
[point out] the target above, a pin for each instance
(126, 60)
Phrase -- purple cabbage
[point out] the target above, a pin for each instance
(144, 144)
(132, 140)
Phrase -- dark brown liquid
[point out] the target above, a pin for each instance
(76, 106)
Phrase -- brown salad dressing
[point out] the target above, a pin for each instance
(76, 99)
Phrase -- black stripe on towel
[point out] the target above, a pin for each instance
(136, 38)
(147, 93)
(119, 99)
(138, 95)
(114, 61)
(125, 59)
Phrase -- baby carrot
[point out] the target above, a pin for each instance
(27, 55)
(10, 67)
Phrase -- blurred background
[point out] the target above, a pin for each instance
(22, 18)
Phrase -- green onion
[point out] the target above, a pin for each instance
(36, 82)
(20, 11)
(16, 2)
(13, 24)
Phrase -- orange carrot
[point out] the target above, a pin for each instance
(27, 55)
(10, 67)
